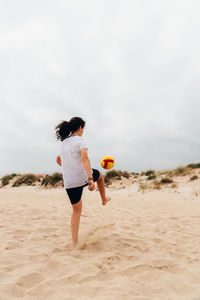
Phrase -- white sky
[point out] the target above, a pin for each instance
(130, 68)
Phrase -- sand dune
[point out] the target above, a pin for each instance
(139, 246)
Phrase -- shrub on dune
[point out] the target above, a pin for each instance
(150, 177)
(157, 184)
(27, 179)
(135, 173)
(149, 172)
(194, 178)
(45, 180)
(194, 166)
(107, 181)
(181, 171)
(166, 180)
(143, 186)
(113, 174)
(174, 185)
(126, 174)
(6, 179)
(53, 179)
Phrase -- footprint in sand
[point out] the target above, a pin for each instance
(13, 246)
(13, 291)
(30, 280)
(62, 251)
(38, 258)
(22, 285)
(94, 236)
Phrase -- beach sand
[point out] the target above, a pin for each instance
(139, 246)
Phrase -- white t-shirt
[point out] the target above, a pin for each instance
(74, 173)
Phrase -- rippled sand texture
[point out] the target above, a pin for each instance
(139, 246)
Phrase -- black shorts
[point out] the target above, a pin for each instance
(76, 193)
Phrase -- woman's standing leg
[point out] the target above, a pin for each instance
(75, 221)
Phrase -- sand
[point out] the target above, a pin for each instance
(139, 246)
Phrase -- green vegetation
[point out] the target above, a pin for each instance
(157, 184)
(194, 166)
(135, 173)
(107, 181)
(45, 180)
(150, 177)
(149, 172)
(166, 180)
(126, 174)
(194, 178)
(115, 174)
(6, 179)
(112, 174)
(27, 179)
(156, 178)
(53, 179)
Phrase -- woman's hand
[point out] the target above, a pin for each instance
(91, 185)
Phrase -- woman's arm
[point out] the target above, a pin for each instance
(58, 160)
(86, 163)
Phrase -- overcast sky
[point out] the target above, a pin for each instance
(130, 68)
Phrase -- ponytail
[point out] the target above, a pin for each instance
(65, 129)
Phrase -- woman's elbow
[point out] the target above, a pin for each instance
(84, 159)
(58, 160)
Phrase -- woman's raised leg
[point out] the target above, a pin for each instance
(102, 190)
(75, 221)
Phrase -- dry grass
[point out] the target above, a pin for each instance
(181, 171)
(27, 179)
(134, 173)
(6, 179)
(156, 179)
(156, 185)
(53, 180)
(112, 174)
(168, 173)
(143, 186)
(174, 185)
(115, 174)
(126, 174)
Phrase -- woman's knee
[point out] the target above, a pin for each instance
(100, 176)
(77, 208)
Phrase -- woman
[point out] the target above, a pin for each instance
(76, 169)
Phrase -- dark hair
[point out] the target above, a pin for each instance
(65, 129)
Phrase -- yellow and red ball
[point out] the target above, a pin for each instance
(107, 162)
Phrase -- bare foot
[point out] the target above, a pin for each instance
(74, 245)
(106, 200)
